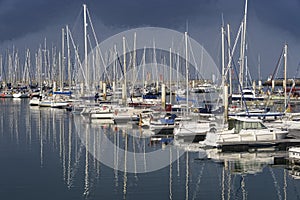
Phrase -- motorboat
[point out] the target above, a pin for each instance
(244, 129)
(247, 95)
(163, 125)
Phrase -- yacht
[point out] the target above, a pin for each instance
(243, 130)
(248, 95)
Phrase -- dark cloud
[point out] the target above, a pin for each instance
(280, 14)
(154, 12)
(270, 23)
(19, 18)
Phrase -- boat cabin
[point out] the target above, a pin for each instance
(244, 123)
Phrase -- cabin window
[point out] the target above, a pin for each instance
(253, 125)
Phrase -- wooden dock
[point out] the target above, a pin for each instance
(282, 144)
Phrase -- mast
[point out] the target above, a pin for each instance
(241, 60)
(115, 69)
(1, 69)
(177, 72)
(124, 69)
(69, 58)
(39, 61)
(229, 57)
(59, 66)
(243, 45)
(223, 56)
(259, 75)
(187, 72)
(62, 59)
(134, 57)
(285, 72)
(143, 65)
(85, 48)
(224, 84)
(133, 63)
(170, 76)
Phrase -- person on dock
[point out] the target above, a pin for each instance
(96, 97)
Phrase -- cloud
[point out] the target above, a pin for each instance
(18, 18)
(270, 24)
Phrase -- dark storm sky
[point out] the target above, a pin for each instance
(270, 23)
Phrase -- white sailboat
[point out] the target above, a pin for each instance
(99, 112)
(193, 131)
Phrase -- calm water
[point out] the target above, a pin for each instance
(43, 157)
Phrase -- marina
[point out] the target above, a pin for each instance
(147, 113)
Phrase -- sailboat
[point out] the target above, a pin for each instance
(193, 131)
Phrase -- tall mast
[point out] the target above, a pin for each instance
(85, 48)
(133, 63)
(69, 58)
(125, 78)
(62, 59)
(143, 65)
(229, 57)
(170, 76)
(187, 71)
(134, 56)
(241, 60)
(259, 75)
(1, 69)
(223, 56)
(285, 72)
(244, 39)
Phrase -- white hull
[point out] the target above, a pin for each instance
(34, 102)
(252, 136)
(59, 104)
(20, 95)
(107, 115)
(45, 103)
(103, 112)
(243, 130)
(191, 128)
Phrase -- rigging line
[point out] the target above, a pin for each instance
(274, 74)
(92, 54)
(250, 77)
(98, 50)
(135, 79)
(77, 20)
(130, 64)
(294, 84)
(194, 60)
(120, 63)
(240, 86)
(232, 50)
(77, 55)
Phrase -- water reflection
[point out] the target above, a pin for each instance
(195, 174)
(239, 166)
